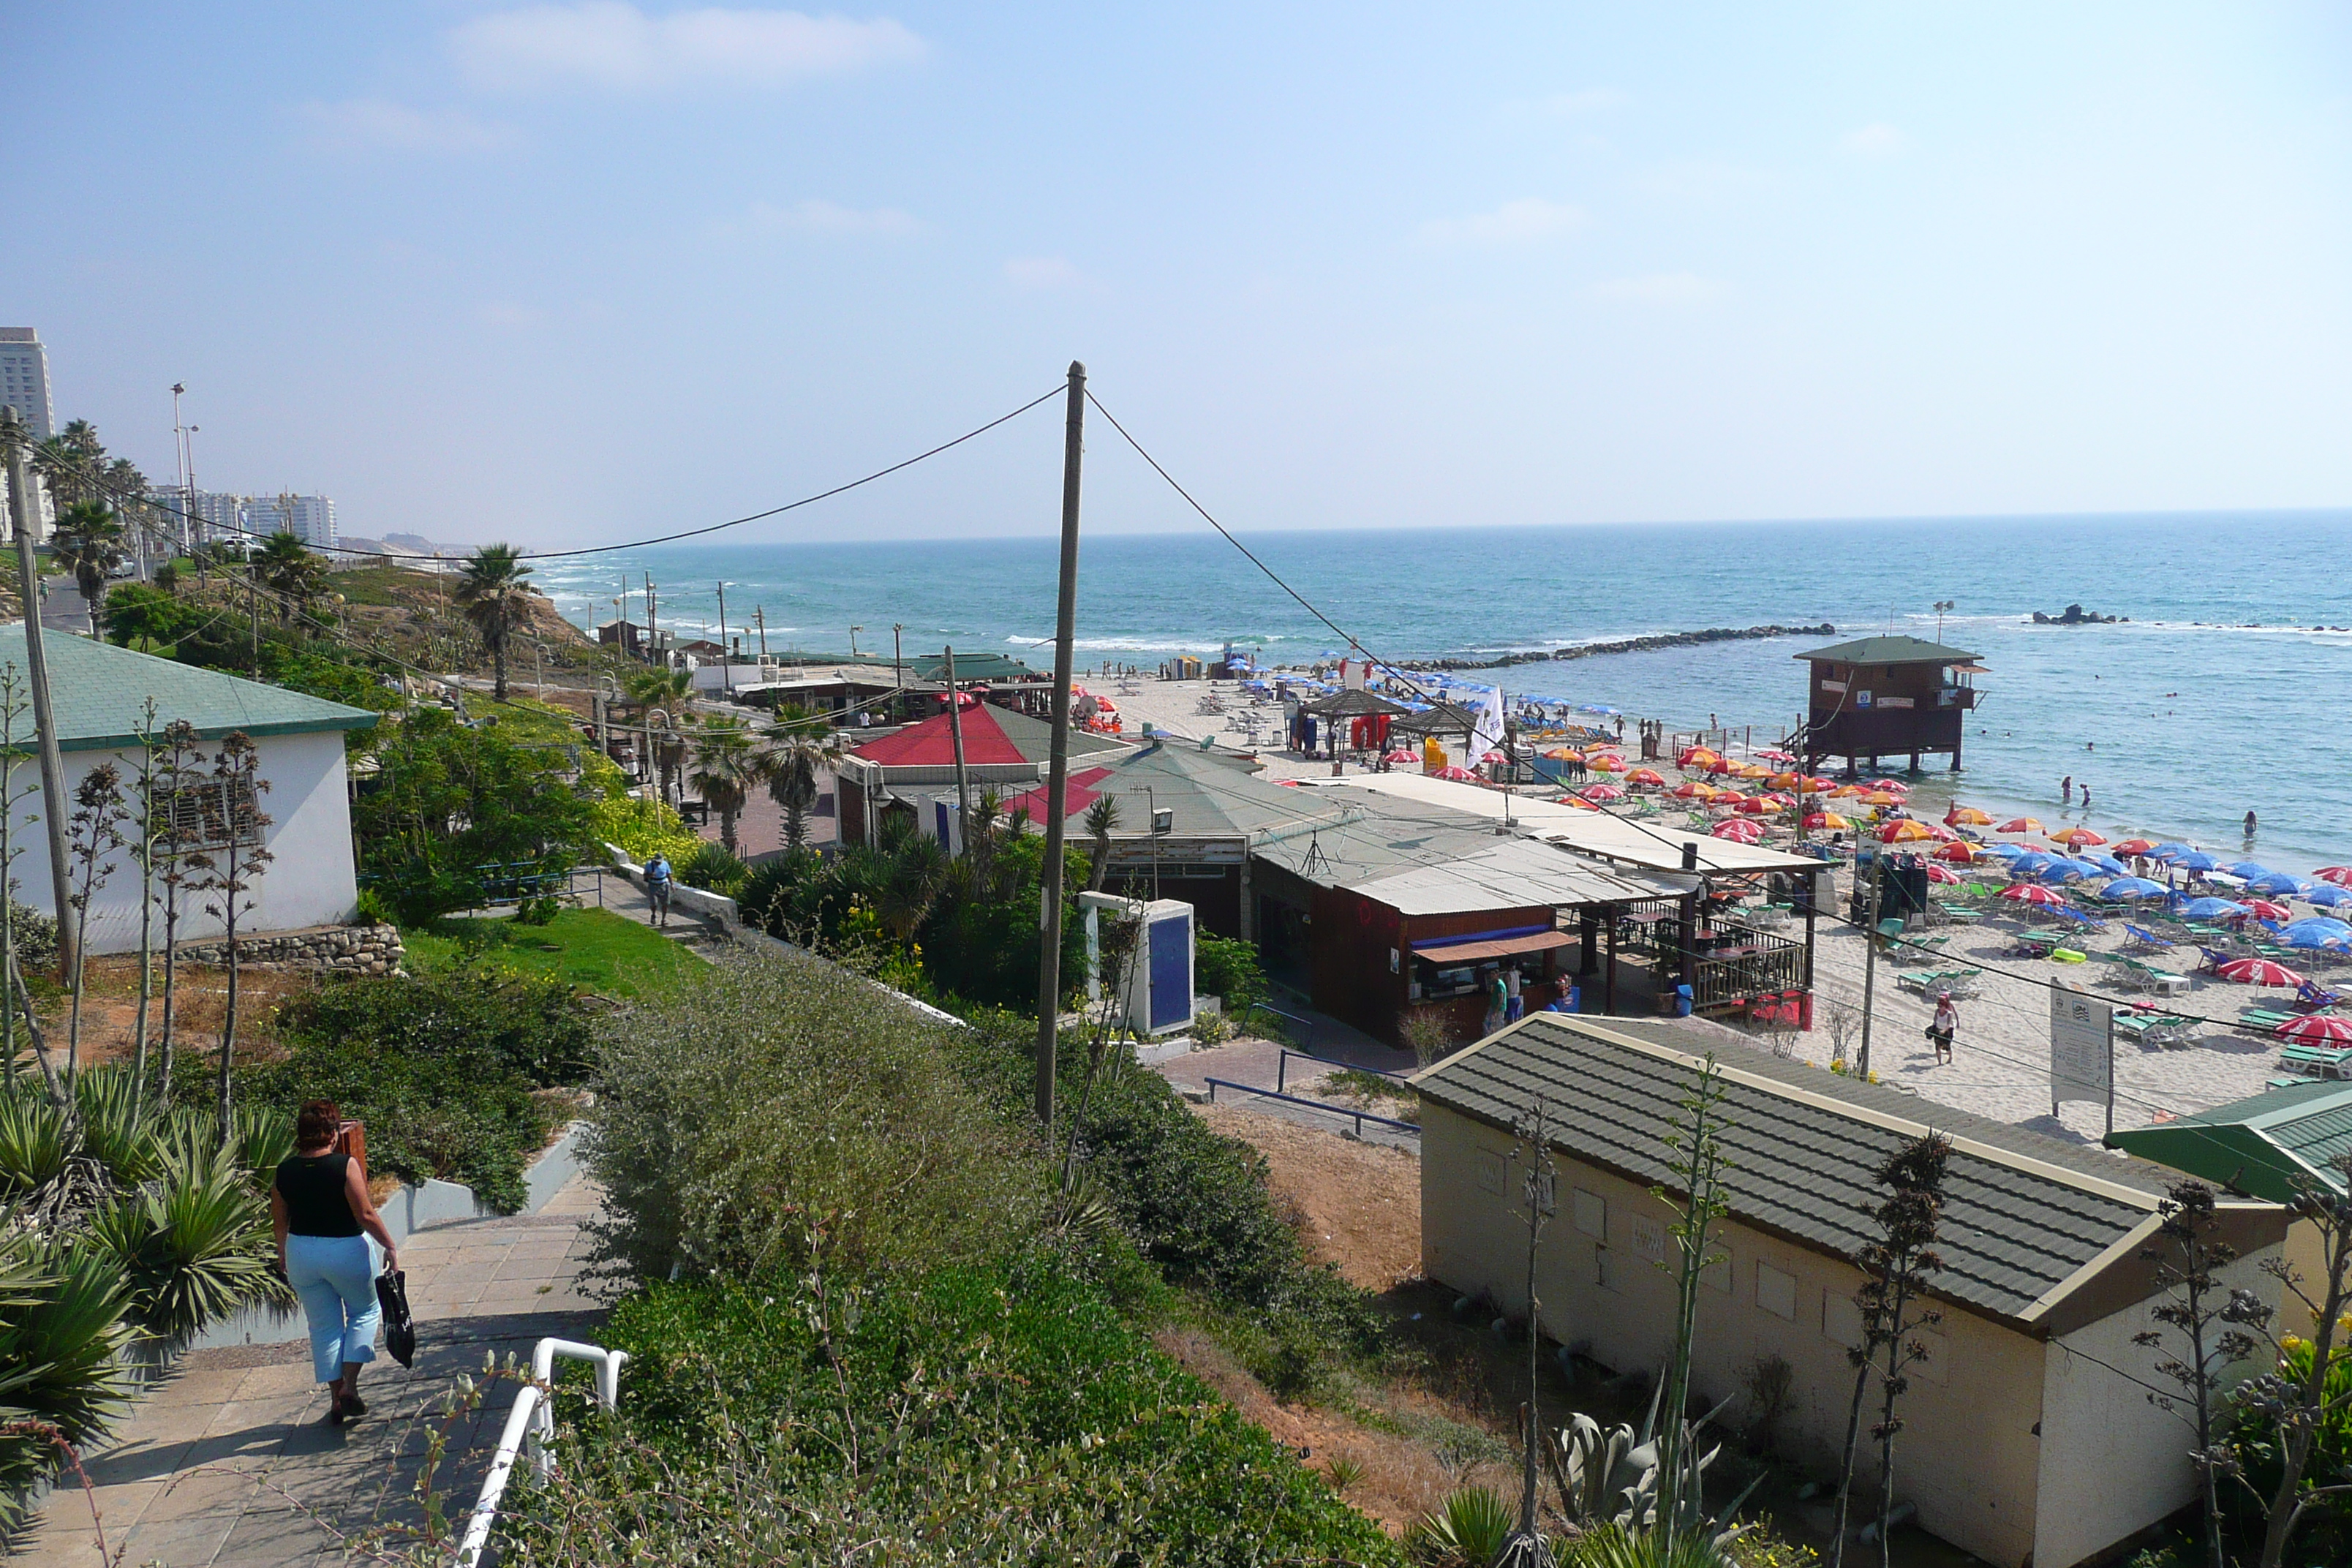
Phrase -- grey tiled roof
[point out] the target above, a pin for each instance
(99, 692)
(2024, 1215)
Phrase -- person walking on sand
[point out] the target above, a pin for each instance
(323, 1218)
(1947, 1024)
(658, 885)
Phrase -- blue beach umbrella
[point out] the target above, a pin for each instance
(2278, 884)
(2249, 869)
(2134, 888)
(2327, 897)
(2170, 849)
(2197, 860)
(2211, 909)
(2032, 863)
(2062, 870)
(2315, 931)
(2010, 852)
(2103, 861)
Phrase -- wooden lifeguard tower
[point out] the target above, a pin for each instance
(1886, 697)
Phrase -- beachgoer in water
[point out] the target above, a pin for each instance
(2087, 797)
(2249, 825)
(2066, 789)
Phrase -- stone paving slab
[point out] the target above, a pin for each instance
(229, 1460)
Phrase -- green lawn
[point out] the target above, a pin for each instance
(593, 949)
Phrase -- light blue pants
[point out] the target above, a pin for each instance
(335, 1276)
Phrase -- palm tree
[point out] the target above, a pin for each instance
(293, 573)
(495, 601)
(792, 775)
(1101, 822)
(669, 690)
(88, 543)
(71, 463)
(727, 768)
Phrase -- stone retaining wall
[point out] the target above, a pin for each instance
(342, 949)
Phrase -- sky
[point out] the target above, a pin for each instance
(576, 273)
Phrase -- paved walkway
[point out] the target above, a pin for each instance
(230, 1462)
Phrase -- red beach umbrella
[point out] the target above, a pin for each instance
(2269, 908)
(1580, 804)
(2032, 893)
(1897, 786)
(1739, 830)
(2260, 972)
(1645, 777)
(2339, 875)
(1401, 757)
(2317, 1029)
(2134, 846)
(2076, 838)
(2019, 824)
(1957, 853)
(1602, 792)
(1941, 873)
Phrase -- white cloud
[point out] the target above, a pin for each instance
(374, 123)
(816, 215)
(1879, 141)
(1529, 219)
(612, 44)
(1662, 288)
(1566, 105)
(1045, 272)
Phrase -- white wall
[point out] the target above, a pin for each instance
(310, 882)
(2098, 1425)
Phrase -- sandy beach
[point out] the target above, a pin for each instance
(2001, 1066)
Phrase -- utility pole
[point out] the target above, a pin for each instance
(21, 502)
(652, 636)
(179, 455)
(1870, 955)
(955, 733)
(1057, 773)
(897, 672)
(759, 616)
(726, 664)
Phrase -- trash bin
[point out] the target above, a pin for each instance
(1681, 1001)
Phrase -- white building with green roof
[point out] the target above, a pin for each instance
(100, 693)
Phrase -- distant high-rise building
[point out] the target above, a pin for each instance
(24, 380)
(310, 519)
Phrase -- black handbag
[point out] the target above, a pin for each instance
(399, 1328)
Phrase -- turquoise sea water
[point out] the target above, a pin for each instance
(2221, 695)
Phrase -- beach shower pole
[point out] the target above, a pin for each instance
(1057, 775)
(22, 500)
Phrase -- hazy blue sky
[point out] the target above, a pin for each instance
(574, 272)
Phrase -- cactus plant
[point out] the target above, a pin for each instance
(1613, 1477)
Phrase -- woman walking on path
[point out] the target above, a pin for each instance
(319, 1207)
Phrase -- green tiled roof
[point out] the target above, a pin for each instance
(1890, 650)
(2026, 1217)
(2265, 1146)
(99, 693)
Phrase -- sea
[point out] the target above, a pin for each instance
(2223, 687)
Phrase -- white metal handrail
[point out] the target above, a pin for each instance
(529, 1424)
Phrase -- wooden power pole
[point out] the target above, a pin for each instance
(22, 500)
(1057, 773)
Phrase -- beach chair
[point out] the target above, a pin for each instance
(2319, 1061)
(2316, 996)
(2145, 940)
(2215, 957)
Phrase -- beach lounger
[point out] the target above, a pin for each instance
(2321, 1062)
(2316, 996)
(2145, 940)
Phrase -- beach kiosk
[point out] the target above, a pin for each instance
(1887, 697)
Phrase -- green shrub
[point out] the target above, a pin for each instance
(441, 1067)
(712, 867)
(781, 1105)
(998, 1414)
(1227, 968)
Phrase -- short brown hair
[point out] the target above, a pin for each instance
(317, 1122)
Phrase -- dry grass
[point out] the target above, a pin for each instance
(110, 1009)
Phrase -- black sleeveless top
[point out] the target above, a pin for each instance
(316, 1202)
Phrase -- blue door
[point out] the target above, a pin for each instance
(1172, 970)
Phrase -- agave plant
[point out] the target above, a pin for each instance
(1466, 1530)
(1614, 1546)
(1613, 1477)
(129, 1228)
